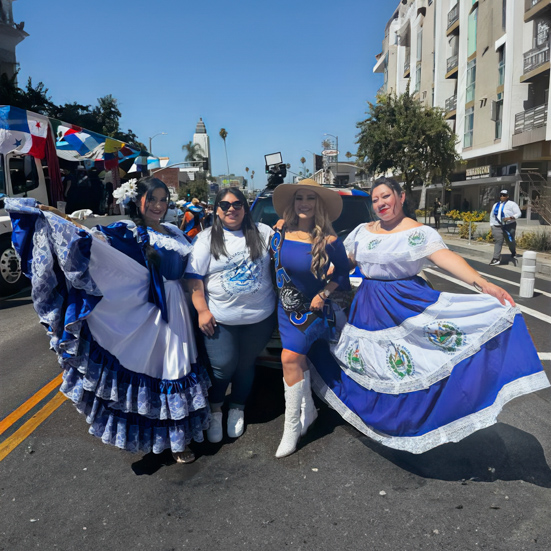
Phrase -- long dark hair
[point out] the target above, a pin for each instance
(396, 188)
(253, 238)
(146, 186)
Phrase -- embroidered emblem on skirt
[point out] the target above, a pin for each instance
(354, 361)
(445, 335)
(400, 361)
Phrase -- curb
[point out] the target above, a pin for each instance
(543, 266)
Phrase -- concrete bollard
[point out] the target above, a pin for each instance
(528, 274)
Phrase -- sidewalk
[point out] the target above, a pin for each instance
(483, 251)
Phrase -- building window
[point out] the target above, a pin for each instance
(471, 80)
(542, 33)
(417, 78)
(498, 115)
(501, 66)
(420, 44)
(471, 35)
(469, 124)
(503, 13)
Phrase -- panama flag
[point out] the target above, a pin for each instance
(22, 131)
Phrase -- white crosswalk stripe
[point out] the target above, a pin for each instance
(523, 309)
(539, 291)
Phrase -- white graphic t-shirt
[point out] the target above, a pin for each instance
(238, 290)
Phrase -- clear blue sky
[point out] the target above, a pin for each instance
(276, 75)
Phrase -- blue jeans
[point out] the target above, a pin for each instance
(232, 352)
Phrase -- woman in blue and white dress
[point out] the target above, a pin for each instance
(112, 301)
(415, 368)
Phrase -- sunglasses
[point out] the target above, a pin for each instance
(225, 205)
(504, 195)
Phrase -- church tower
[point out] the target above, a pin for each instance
(201, 138)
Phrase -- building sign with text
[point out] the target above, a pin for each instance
(478, 172)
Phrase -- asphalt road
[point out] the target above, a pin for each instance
(62, 489)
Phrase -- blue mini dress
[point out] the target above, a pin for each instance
(299, 328)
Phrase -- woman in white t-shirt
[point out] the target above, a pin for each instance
(229, 278)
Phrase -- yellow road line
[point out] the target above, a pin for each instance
(27, 429)
(13, 417)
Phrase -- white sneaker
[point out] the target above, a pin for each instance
(215, 432)
(236, 423)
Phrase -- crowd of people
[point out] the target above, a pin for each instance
(129, 307)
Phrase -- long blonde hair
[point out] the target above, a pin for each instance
(319, 234)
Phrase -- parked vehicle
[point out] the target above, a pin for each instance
(22, 176)
(356, 210)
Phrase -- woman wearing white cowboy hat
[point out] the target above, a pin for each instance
(304, 246)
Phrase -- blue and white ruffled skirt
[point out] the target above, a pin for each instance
(133, 375)
(415, 368)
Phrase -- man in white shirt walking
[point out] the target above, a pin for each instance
(503, 219)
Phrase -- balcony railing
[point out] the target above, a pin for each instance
(452, 63)
(453, 15)
(530, 119)
(451, 104)
(536, 56)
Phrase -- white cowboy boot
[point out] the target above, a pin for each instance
(308, 411)
(291, 431)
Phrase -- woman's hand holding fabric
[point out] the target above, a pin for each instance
(495, 291)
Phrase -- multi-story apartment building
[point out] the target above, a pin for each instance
(486, 64)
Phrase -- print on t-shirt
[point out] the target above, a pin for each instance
(242, 275)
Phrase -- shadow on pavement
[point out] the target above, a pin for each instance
(20, 299)
(500, 452)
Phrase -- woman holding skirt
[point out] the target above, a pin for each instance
(112, 302)
(415, 368)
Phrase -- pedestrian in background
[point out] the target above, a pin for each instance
(503, 220)
(437, 213)
(229, 279)
(191, 222)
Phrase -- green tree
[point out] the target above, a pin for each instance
(36, 98)
(10, 94)
(194, 152)
(224, 134)
(195, 188)
(404, 136)
(107, 114)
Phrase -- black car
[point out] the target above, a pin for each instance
(356, 210)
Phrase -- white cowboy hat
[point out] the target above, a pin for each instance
(284, 194)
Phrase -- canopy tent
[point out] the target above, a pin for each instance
(26, 132)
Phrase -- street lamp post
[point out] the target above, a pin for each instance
(151, 139)
(337, 162)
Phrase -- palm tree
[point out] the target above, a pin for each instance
(348, 155)
(252, 179)
(247, 171)
(303, 162)
(194, 152)
(224, 134)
